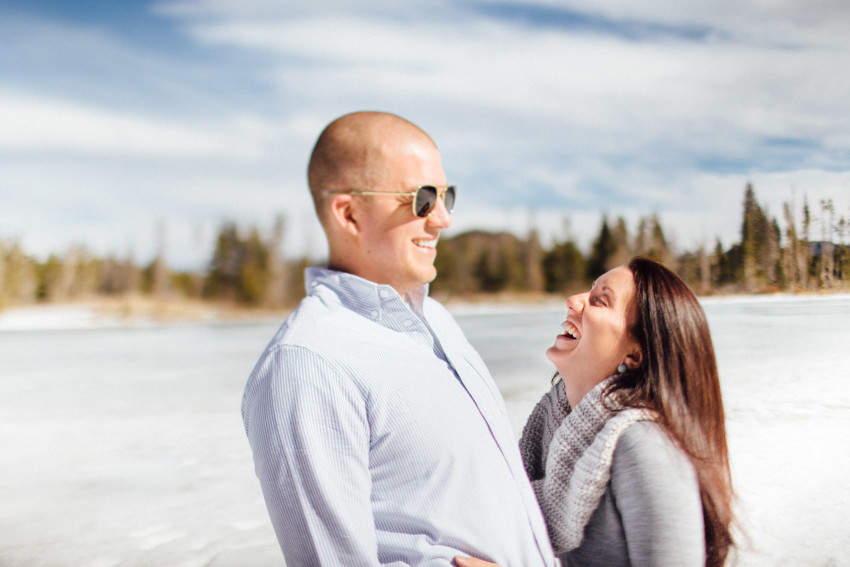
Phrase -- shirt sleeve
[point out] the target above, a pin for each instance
(656, 492)
(308, 428)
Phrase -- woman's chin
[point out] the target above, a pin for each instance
(560, 354)
(553, 354)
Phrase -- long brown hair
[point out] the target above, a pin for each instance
(678, 379)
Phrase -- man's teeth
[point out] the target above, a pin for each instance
(426, 243)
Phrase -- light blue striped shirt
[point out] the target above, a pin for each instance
(379, 436)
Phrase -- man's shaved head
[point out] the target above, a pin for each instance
(351, 152)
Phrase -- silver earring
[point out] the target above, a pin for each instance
(621, 368)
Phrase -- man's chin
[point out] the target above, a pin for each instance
(429, 276)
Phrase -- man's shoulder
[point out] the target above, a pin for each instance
(305, 340)
(313, 317)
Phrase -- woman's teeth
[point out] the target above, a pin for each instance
(569, 330)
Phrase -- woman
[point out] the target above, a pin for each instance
(627, 452)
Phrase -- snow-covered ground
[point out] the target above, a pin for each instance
(123, 445)
(47, 317)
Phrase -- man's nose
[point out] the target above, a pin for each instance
(439, 216)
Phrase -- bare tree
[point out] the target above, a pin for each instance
(792, 250)
(276, 291)
(532, 260)
(826, 250)
(20, 285)
(2, 273)
(704, 269)
(804, 256)
(158, 271)
(841, 250)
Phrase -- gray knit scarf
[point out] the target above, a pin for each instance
(568, 455)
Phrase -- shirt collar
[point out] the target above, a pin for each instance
(361, 294)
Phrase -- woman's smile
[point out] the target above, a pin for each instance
(595, 336)
(570, 331)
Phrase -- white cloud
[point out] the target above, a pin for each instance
(32, 123)
(779, 22)
(529, 116)
(597, 85)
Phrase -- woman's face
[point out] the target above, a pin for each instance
(596, 337)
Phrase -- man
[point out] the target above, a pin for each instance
(378, 435)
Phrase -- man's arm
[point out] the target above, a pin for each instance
(308, 428)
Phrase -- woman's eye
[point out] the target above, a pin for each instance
(599, 300)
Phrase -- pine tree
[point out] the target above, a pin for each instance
(642, 237)
(601, 252)
(659, 249)
(225, 267)
(751, 239)
(622, 250)
(564, 268)
(254, 271)
(53, 284)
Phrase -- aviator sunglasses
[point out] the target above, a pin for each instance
(424, 197)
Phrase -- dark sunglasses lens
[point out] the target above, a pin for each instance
(450, 198)
(426, 198)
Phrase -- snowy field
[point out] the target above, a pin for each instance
(122, 445)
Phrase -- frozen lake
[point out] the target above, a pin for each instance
(124, 446)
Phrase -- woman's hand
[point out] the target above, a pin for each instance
(462, 561)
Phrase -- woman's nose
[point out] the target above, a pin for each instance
(576, 302)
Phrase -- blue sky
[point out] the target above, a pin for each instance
(117, 118)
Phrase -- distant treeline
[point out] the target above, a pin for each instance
(249, 269)
(764, 260)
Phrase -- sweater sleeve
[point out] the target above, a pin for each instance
(656, 491)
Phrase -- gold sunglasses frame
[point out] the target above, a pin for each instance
(441, 194)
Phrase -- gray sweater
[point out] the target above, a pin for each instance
(651, 512)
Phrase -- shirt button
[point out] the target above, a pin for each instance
(407, 322)
(384, 293)
(374, 314)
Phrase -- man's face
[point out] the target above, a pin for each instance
(397, 247)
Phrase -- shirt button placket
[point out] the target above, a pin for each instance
(383, 294)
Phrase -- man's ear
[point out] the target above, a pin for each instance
(343, 214)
